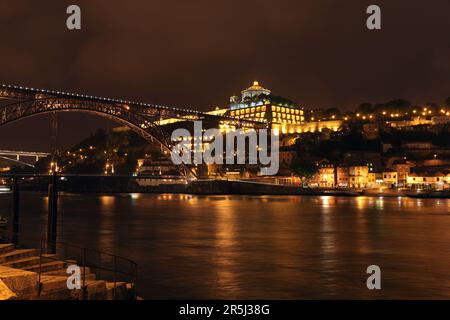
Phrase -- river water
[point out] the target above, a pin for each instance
(261, 247)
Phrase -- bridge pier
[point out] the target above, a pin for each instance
(15, 211)
(52, 214)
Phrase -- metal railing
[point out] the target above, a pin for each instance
(105, 266)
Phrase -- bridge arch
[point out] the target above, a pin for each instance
(124, 114)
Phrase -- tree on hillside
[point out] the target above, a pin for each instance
(304, 169)
(432, 104)
(365, 108)
(330, 112)
(397, 105)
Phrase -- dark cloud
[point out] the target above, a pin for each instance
(197, 53)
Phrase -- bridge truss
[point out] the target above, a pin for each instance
(142, 118)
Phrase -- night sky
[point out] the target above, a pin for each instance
(196, 53)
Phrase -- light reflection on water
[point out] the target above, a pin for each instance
(262, 246)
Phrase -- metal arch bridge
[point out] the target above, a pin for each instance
(142, 118)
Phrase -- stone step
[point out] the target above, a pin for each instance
(17, 255)
(131, 291)
(64, 273)
(55, 288)
(22, 263)
(5, 292)
(89, 277)
(96, 290)
(121, 291)
(48, 266)
(51, 284)
(6, 248)
(28, 262)
(22, 283)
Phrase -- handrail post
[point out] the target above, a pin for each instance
(52, 214)
(40, 270)
(15, 211)
(135, 281)
(99, 271)
(66, 250)
(84, 274)
(115, 276)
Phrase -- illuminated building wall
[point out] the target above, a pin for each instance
(342, 177)
(257, 104)
(416, 121)
(310, 126)
(390, 177)
(269, 113)
(437, 181)
(358, 176)
(326, 177)
(288, 120)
